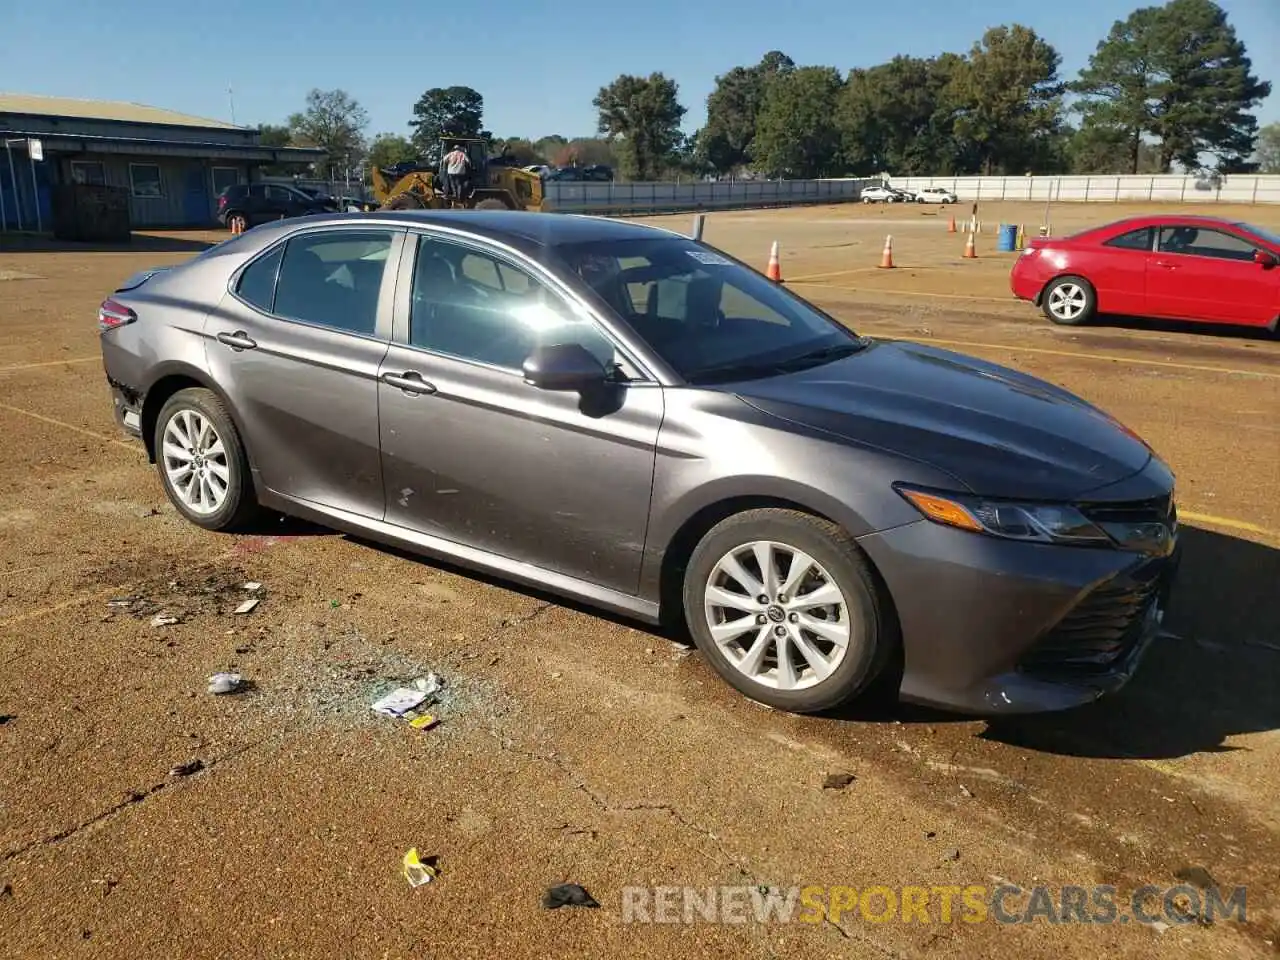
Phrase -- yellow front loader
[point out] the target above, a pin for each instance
(493, 184)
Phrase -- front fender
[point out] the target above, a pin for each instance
(717, 456)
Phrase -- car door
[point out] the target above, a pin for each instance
(296, 345)
(1207, 273)
(559, 479)
(281, 202)
(1118, 271)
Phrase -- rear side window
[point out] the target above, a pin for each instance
(1133, 240)
(258, 283)
(1205, 242)
(333, 279)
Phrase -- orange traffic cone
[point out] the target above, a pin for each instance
(774, 270)
(951, 227)
(886, 256)
(969, 252)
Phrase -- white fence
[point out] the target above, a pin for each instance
(1234, 188)
(641, 198)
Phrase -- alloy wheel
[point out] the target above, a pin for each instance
(777, 616)
(195, 461)
(1067, 301)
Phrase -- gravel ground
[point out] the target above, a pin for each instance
(577, 748)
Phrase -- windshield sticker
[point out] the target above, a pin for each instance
(709, 258)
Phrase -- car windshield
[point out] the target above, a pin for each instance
(1268, 235)
(711, 319)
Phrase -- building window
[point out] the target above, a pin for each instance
(88, 171)
(224, 177)
(144, 178)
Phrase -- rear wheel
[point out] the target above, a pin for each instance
(787, 610)
(491, 204)
(237, 223)
(1069, 301)
(202, 461)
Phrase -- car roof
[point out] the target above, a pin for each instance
(1158, 219)
(521, 227)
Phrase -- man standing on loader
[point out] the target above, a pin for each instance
(456, 167)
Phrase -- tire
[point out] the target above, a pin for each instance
(237, 222)
(1069, 301)
(870, 636)
(492, 203)
(188, 409)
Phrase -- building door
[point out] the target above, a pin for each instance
(195, 197)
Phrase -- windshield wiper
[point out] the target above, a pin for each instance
(751, 369)
(818, 357)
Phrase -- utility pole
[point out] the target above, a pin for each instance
(231, 98)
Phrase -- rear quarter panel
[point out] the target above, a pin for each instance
(172, 309)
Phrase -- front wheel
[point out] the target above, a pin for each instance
(1069, 301)
(491, 204)
(787, 610)
(202, 462)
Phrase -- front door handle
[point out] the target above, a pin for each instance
(1166, 264)
(410, 382)
(238, 340)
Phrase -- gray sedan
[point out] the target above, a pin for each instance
(625, 416)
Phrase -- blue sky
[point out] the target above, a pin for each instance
(538, 64)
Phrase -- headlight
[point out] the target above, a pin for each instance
(1031, 522)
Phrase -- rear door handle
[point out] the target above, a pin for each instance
(1166, 264)
(410, 382)
(238, 340)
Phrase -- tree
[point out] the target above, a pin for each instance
(584, 152)
(278, 135)
(275, 135)
(444, 112)
(388, 149)
(1008, 100)
(796, 131)
(1268, 155)
(335, 122)
(897, 118)
(732, 109)
(1177, 74)
(521, 150)
(547, 147)
(641, 117)
(1101, 149)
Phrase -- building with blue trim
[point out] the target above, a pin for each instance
(173, 165)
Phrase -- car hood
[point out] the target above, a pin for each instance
(999, 432)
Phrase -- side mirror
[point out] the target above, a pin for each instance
(563, 366)
(1265, 258)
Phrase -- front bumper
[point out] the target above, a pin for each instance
(997, 627)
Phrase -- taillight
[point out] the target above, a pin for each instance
(114, 314)
(222, 202)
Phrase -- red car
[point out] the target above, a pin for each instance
(1169, 267)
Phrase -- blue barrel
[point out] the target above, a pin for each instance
(1008, 240)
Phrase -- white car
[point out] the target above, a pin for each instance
(936, 195)
(880, 194)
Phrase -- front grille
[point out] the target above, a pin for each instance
(1102, 628)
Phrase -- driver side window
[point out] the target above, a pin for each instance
(476, 306)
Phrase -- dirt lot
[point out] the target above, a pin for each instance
(576, 748)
